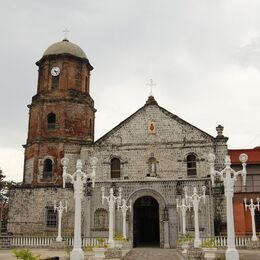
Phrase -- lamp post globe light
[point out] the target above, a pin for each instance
(195, 200)
(60, 208)
(252, 208)
(183, 209)
(229, 176)
(78, 179)
(124, 209)
(111, 200)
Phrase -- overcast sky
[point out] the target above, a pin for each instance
(203, 55)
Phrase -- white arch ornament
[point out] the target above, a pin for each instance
(229, 176)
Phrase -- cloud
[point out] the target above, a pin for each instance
(249, 54)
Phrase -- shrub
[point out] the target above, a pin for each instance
(209, 243)
(118, 236)
(25, 254)
(88, 248)
(185, 238)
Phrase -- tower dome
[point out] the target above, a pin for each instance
(65, 47)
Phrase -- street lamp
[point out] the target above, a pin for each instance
(111, 200)
(124, 209)
(252, 208)
(183, 207)
(229, 176)
(195, 200)
(60, 208)
(78, 179)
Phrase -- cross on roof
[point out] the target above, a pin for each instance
(151, 84)
(66, 33)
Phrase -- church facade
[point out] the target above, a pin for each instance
(152, 155)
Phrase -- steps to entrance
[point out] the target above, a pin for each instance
(148, 253)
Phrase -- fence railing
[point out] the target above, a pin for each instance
(19, 241)
(221, 241)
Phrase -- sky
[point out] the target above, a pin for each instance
(204, 57)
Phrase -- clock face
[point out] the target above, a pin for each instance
(55, 71)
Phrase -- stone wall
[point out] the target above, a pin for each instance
(27, 211)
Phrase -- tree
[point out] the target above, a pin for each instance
(4, 187)
(4, 195)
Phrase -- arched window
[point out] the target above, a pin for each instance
(101, 219)
(191, 165)
(47, 169)
(115, 168)
(51, 121)
(55, 82)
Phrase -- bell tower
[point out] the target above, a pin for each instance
(61, 115)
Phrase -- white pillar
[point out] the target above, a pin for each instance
(195, 199)
(111, 222)
(231, 252)
(252, 208)
(183, 222)
(197, 241)
(183, 206)
(60, 208)
(124, 209)
(78, 179)
(228, 176)
(111, 200)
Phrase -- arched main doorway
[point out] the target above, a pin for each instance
(146, 222)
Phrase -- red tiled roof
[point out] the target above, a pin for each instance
(253, 155)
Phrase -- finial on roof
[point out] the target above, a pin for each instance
(65, 35)
(151, 101)
(220, 129)
(151, 84)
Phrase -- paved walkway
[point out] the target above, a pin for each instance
(141, 253)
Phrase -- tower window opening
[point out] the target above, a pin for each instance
(51, 218)
(55, 82)
(47, 169)
(115, 168)
(51, 121)
(86, 85)
(191, 165)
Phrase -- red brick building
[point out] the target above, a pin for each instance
(242, 218)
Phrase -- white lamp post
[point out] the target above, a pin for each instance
(252, 208)
(124, 209)
(60, 208)
(78, 179)
(229, 176)
(195, 199)
(183, 207)
(111, 200)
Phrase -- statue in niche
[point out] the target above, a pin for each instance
(152, 164)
